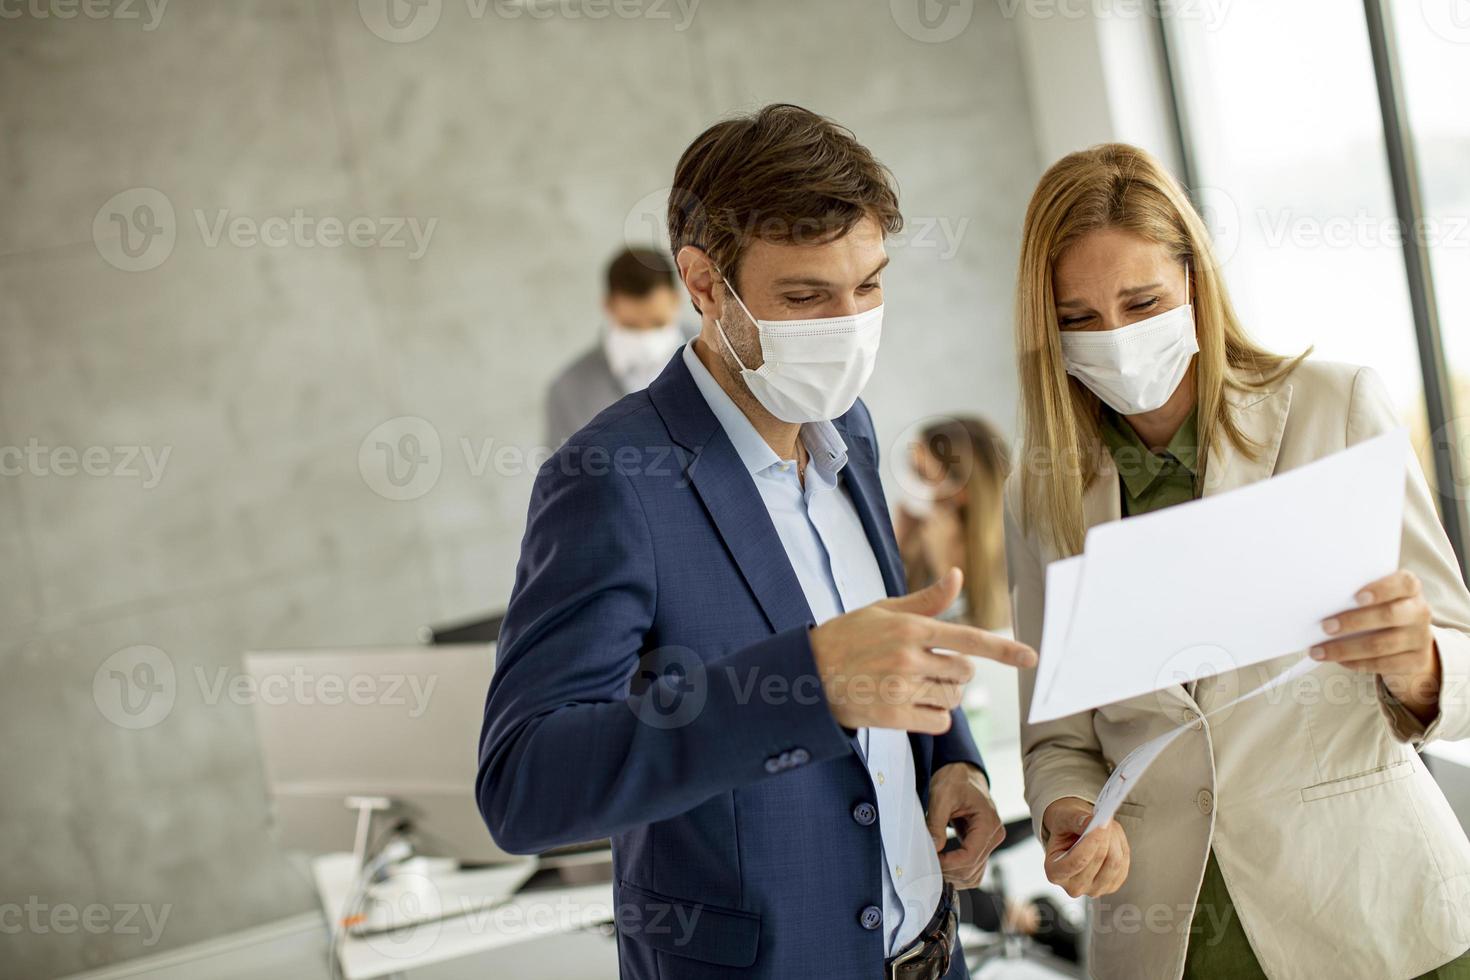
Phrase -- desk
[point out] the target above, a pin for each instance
(296, 948)
(528, 916)
(1450, 764)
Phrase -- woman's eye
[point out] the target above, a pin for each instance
(1071, 321)
(868, 287)
(1146, 304)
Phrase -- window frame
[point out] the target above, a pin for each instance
(1409, 207)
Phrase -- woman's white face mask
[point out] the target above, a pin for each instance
(812, 370)
(1134, 369)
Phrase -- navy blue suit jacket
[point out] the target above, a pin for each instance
(655, 684)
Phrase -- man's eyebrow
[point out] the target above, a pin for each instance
(819, 283)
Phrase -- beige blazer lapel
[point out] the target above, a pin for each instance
(1261, 416)
(1102, 501)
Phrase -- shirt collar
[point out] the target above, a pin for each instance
(1136, 463)
(823, 442)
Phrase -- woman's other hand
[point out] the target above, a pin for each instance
(1098, 865)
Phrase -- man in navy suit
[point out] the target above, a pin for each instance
(708, 654)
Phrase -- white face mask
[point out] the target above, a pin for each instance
(637, 356)
(813, 370)
(1134, 369)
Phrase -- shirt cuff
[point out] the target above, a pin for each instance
(1454, 658)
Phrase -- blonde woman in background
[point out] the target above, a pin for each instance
(951, 516)
(1293, 837)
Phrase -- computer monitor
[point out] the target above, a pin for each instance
(395, 724)
(480, 629)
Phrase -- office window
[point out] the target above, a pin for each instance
(1281, 122)
(1434, 61)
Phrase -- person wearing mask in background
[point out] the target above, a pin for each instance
(950, 516)
(1290, 837)
(640, 332)
(708, 654)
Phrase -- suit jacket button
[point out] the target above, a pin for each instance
(800, 757)
(871, 917)
(773, 764)
(865, 813)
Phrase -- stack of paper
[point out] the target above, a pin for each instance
(1215, 585)
(1219, 583)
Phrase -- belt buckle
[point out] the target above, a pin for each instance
(913, 952)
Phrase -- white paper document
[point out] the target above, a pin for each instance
(1219, 583)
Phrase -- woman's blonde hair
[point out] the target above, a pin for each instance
(1114, 186)
(973, 459)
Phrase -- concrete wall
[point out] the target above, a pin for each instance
(192, 395)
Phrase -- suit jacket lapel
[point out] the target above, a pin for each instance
(729, 494)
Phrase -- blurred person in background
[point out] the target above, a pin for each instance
(951, 515)
(641, 330)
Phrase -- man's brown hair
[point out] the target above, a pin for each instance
(637, 272)
(783, 174)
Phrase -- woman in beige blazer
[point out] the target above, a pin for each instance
(1296, 835)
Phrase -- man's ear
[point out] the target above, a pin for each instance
(697, 270)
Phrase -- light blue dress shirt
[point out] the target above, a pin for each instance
(824, 540)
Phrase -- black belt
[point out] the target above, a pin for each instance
(928, 957)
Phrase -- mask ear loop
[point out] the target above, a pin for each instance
(720, 327)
